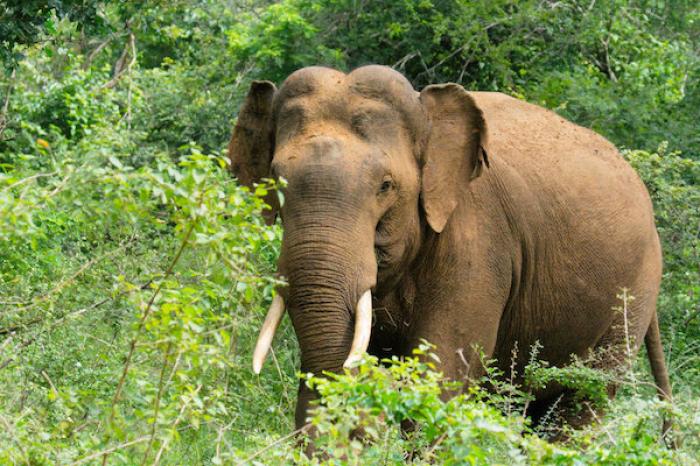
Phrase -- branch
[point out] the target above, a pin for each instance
(305, 428)
(142, 323)
(109, 450)
(156, 408)
(608, 66)
(13, 328)
(27, 179)
(156, 461)
(6, 104)
(96, 51)
(67, 281)
(120, 67)
(55, 324)
(692, 316)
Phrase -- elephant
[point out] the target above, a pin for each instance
(473, 220)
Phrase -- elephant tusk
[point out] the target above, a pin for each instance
(363, 329)
(267, 332)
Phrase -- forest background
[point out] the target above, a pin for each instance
(135, 272)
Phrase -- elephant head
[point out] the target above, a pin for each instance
(372, 168)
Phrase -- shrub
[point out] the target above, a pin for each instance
(360, 415)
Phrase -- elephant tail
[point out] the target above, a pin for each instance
(655, 351)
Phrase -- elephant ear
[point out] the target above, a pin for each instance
(252, 141)
(453, 153)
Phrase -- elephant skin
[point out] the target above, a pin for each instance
(477, 220)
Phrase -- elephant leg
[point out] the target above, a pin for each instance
(464, 331)
(552, 417)
(564, 407)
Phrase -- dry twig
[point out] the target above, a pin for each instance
(110, 450)
(277, 442)
(121, 66)
(156, 407)
(6, 104)
(156, 461)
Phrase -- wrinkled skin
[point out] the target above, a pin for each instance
(476, 219)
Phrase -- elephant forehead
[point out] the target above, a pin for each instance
(310, 80)
(386, 85)
(374, 82)
(381, 83)
(328, 93)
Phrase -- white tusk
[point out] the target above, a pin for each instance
(363, 329)
(267, 332)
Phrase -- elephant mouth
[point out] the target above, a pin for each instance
(382, 257)
(382, 246)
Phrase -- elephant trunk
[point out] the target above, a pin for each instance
(328, 274)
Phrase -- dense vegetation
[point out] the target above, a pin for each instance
(135, 272)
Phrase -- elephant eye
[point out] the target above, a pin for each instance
(386, 185)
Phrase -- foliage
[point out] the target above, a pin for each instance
(613, 65)
(362, 419)
(673, 182)
(587, 383)
(379, 399)
(25, 22)
(134, 272)
(126, 277)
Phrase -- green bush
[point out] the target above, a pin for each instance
(126, 284)
(360, 416)
(674, 184)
